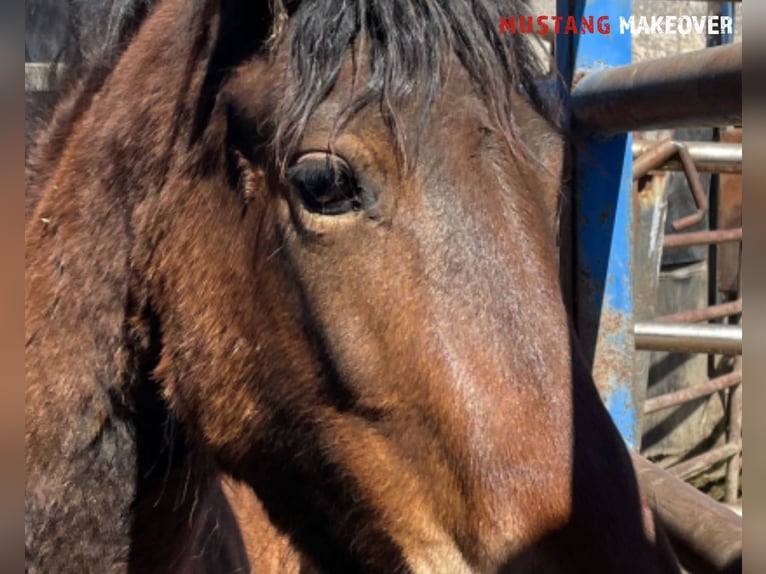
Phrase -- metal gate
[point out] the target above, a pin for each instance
(608, 98)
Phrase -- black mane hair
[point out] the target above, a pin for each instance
(405, 41)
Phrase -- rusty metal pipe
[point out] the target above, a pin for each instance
(702, 237)
(706, 314)
(701, 88)
(702, 462)
(697, 392)
(653, 157)
(734, 434)
(695, 185)
(706, 535)
(688, 338)
(660, 153)
(715, 157)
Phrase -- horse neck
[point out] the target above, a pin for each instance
(110, 471)
(179, 501)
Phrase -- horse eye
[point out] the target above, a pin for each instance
(325, 185)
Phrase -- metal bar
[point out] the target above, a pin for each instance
(708, 156)
(686, 338)
(701, 88)
(38, 76)
(705, 534)
(697, 392)
(734, 466)
(698, 464)
(702, 237)
(657, 155)
(703, 167)
(706, 314)
(604, 216)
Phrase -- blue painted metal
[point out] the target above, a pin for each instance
(727, 9)
(604, 214)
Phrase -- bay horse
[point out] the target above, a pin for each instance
(299, 258)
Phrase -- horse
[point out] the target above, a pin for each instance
(292, 274)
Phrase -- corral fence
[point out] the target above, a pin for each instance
(617, 239)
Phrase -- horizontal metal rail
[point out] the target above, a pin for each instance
(706, 314)
(706, 535)
(701, 88)
(688, 338)
(689, 394)
(709, 157)
(702, 237)
(698, 464)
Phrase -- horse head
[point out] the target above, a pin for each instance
(320, 237)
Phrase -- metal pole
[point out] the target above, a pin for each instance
(604, 223)
(658, 155)
(685, 395)
(707, 156)
(702, 237)
(699, 464)
(706, 535)
(702, 88)
(698, 315)
(688, 338)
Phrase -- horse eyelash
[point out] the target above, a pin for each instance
(250, 178)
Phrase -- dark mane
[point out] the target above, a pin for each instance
(406, 42)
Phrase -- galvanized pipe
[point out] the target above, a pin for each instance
(701, 88)
(705, 534)
(702, 237)
(697, 392)
(688, 338)
(706, 314)
(714, 157)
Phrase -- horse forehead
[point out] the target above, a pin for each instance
(455, 91)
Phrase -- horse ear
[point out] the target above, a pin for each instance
(90, 240)
(244, 29)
